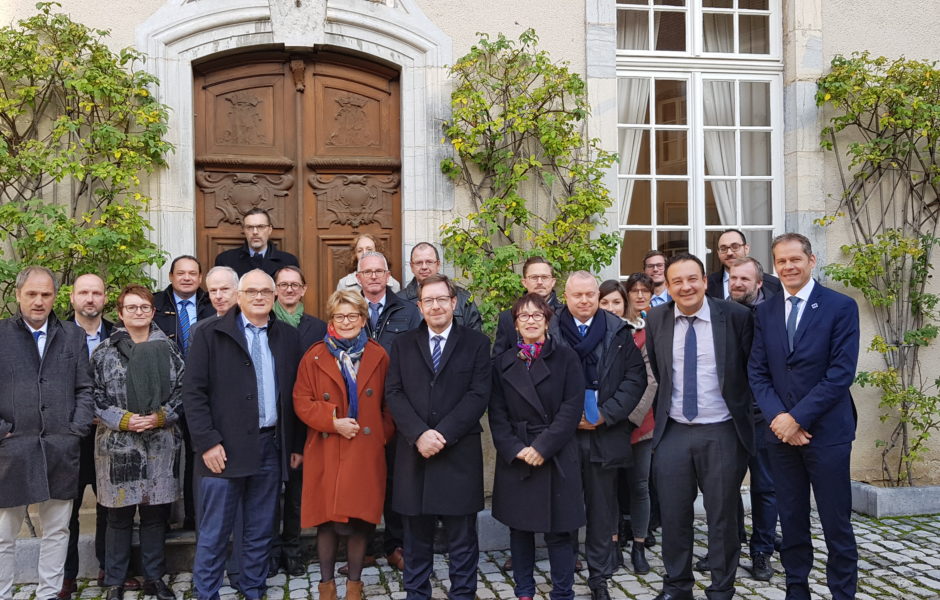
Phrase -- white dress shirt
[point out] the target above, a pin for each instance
(444, 334)
(41, 342)
(803, 295)
(712, 407)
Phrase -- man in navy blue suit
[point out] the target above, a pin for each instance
(801, 382)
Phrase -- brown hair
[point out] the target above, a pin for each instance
(137, 290)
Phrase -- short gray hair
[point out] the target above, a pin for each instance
(750, 259)
(581, 275)
(31, 270)
(271, 279)
(227, 270)
(368, 254)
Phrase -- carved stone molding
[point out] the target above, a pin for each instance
(355, 162)
(354, 200)
(242, 163)
(230, 195)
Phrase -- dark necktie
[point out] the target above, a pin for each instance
(36, 336)
(791, 320)
(184, 326)
(257, 360)
(374, 314)
(582, 329)
(436, 351)
(689, 373)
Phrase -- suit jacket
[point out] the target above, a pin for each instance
(732, 332)
(538, 406)
(220, 394)
(621, 382)
(312, 330)
(242, 261)
(812, 382)
(451, 401)
(506, 334)
(716, 288)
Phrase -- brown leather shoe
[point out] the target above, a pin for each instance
(69, 587)
(368, 561)
(326, 590)
(396, 559)
(131, 584)
(353, 590)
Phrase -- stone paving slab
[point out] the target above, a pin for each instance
(898, 558)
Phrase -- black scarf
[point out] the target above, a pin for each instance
(148, 372)
(586, 345)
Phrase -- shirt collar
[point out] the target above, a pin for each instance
(803, 293)
(444, 334)
(380, 301)
(177, 299)
(704, 313)
(44, 329)
(245, 322)
(262, 252)
(588, 322)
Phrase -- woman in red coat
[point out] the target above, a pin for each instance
(340, 394)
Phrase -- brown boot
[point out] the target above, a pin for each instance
(326, 590)
(353, 590)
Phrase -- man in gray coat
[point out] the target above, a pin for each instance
(46, 406)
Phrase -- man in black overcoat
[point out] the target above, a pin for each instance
(615, 379)
(437, 388)
(258, 251)
(238, 394)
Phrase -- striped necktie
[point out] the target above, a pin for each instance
(184, 326)
(436, 351)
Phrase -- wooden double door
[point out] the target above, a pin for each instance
(313, 139)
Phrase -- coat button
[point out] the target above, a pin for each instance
(324, 434)
(369, 392)
(366, 430)
(326, 396)
(247, 363)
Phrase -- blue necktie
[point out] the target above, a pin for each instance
(36, 336)
(689, 373)
(374, 314)
(258, 361)
(791, 320)
(184, 326)
(582, 329)
(436, 351)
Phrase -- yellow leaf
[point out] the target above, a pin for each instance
(827, 96)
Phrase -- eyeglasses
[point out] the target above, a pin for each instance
(350, 318)
(725, 249)
(253, 293)
(255, 228)
(656, 267)
(289, 285)
(639, 291)
(373, 273)
(537, 317)
(539, 278)
(429, 302)
(143, 309)
(424, 263)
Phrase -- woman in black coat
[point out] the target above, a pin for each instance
(536, 404)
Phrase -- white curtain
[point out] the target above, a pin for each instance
(719, 145)
(633, 96)
(755, 153)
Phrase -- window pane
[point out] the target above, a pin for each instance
(712, 262)
(672, 152)
(755, 34)
(672, 242)
(670, 30)
(719, 103)
(634, 152)
(718, 31)
(720, 203)
(719, 153)
(633, 30)
(633, 99)
(635, 246)
(755, 153)
(670, 102)
(669, 2)
(753, 4)
(672, 202)
(635, 202)
(641, 2)
(755, 103)
(759, 241)
(755, 203)
(717, 3)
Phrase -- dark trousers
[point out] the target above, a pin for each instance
(600, 503)
(560, 559)
(826, 469)
(101, 527)
(219, 499)
(712, 458)
(763, 495)
(638, 483)
(394, 528)
(287, 544)
(462, 548)
(189, 502)
(153, 524)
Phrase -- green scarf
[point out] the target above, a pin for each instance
(148, 372)
(292, 319)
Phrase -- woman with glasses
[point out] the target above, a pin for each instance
(536, 404)
(340, 395)
(362, 243)
(137, 377)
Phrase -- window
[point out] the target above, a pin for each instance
(699, 126)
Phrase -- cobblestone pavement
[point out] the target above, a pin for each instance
(898, 558)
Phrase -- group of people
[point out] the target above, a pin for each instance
(626, 399)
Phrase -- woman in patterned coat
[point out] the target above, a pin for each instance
(137, 377)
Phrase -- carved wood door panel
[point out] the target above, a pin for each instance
(315, 140)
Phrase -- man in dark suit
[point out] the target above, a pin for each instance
(438, 387)
(732, 245)
(426, 261)
(238, 395)
(802, 366)
(258, 252)
(698, 349)
(615, 379)
(538, 277)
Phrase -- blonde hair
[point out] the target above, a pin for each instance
(351, 297)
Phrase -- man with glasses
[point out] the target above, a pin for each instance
(654, 265)
(291, 287)
(732, 245)
(438, 387)
(425, 261)
(538, 277)
(238, 396)
(258, 252)
(389, 317)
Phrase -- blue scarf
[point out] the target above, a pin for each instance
(347, 354)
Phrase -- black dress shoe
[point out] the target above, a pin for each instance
(294, 566)
(650, 539)
(159, 589)
(760, 567)
(638, 559)
(702, 565)
(600, 592)
(115, 592)
(665, 596)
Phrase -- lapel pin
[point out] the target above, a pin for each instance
(814, 305)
